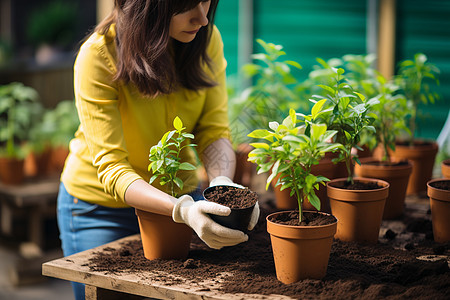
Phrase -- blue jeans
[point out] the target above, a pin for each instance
(83, 226)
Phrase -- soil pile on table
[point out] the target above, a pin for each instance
(354, 271)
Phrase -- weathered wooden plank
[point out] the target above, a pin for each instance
(75, 268)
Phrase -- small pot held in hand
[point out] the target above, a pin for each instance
(241, 201)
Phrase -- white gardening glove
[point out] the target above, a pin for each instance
(195, 215)
(224, 180)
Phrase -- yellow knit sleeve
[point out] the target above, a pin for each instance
(97, 103)
(213, 123)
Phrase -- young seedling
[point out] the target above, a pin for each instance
(165, 157)
(287, 151)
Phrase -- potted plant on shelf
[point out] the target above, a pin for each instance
(161, 236)
(413, 78)
(19, 111)
(358, 203)
(391, 111)
(439, 192)
(301, 247)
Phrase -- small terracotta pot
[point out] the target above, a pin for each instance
(12, 170)
(422, 155)
(445, 168)
(59, 156)
(396, 175)
(38, 164)
(359, 211)
(162, 237)
(239, 218)
(440, 210)
(300, 252)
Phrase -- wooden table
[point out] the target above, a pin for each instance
(131, 286)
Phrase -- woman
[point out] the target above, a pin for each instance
(147, 62)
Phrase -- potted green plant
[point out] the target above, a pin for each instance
(301, 248)
(391, 111)
(268, 98)
(161, 236)
(19, 112)
(358, 203)
(53, 134)
(416, 77)
(51, 29)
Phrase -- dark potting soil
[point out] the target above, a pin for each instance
(442, 185)
(358, 185)
(309, 219)
(231, 196)
(355, 271)
(387, 164)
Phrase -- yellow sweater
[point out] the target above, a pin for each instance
(118, 126)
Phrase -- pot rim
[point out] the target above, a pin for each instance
(436, 193)
(301, 232)
(400, 170)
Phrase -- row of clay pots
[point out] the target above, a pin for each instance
(14, 171)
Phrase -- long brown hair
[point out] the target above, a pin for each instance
(147, 56)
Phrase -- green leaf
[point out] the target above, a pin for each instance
(153, 178)
(317, 130)
(293, 63)
(187, 166)
(178, 182)
(315, 111)
(177, 123)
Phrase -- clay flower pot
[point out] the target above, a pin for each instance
(359, 211)
(300, 252)
(162, 237)
(439, 193)
(445, 168)
(243, 202)
(12, 170)
(422, 155)
(396, 174)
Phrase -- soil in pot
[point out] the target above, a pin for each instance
(240, 200)
(388, 270)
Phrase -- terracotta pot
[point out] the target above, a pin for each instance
(422, 155)
(12, 170)
(245, 170)
(38, 164)
(300, 252)
(440, 210)
(359, 211)
(59, 155)
(396, 175)
(445, 168)
(162, 237)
